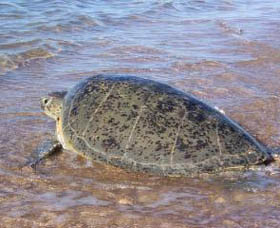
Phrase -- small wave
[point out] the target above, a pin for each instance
(199, 66)
(230, 29)
(11, 62)
(19, 44)
(11, 5)
(72, 24)
(69, 198)
(11, 16)
(139, 49)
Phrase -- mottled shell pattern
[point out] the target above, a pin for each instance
(143, 125)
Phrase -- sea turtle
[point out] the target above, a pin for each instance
(147, 126)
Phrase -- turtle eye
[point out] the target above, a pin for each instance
(45, 101)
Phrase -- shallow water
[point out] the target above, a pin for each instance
(225, 52)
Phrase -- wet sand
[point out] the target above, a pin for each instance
(225, 53)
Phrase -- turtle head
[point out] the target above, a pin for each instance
(52, 104)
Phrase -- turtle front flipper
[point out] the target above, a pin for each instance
(44, 150)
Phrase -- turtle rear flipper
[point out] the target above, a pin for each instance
(44, 150)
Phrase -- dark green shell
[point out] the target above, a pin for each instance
(147, 126)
